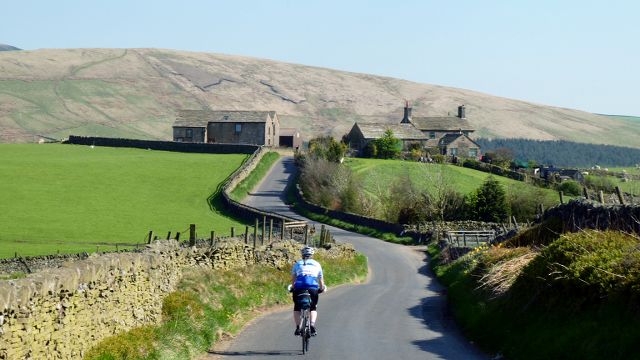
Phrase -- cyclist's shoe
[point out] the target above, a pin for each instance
(297, 332)
(313, 331)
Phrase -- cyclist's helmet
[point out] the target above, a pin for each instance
(307, 252)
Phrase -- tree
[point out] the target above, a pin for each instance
(490, 202)
(388, 145)
(326, 147)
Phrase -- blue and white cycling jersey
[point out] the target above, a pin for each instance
(307, 273)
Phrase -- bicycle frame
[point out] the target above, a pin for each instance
(305, 323)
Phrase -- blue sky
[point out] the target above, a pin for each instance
(576, 54)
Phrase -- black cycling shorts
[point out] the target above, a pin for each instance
(314, 299)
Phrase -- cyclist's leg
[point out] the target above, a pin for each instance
(296, 309)
(314, 305)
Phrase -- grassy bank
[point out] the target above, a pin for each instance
(209, 304)
(70, 198)
(575, 299)
(246, 185)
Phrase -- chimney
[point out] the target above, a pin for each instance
(406, 119)
(461, 112)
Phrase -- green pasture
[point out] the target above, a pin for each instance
(71, 198)
(377, 176)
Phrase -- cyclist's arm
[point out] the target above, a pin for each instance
(321, 282)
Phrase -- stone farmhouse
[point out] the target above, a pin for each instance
(227, 127)
(446, 135)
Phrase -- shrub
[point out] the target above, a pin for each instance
(438, 159)
(388, 145)
(490, 202)
(570, 187)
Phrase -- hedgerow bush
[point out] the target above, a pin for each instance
(595, 264)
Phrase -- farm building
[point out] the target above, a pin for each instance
(290, 137)
(361, 134)
(448, 135)
(459, 145)
(437, 127)
(228, 127)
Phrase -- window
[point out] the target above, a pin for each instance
(432, 135)
(473, 153)
(238, 128)
(454, 151)
(189, 133)
(269, 130)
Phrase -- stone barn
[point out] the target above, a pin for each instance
(227, 127)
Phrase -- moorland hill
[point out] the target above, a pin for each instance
(136, 93)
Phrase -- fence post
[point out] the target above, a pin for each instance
(306, 234)
(561, 197)
(264, 230)
(291, 233)
(282, 230)
(233, 231)
(270, 229)
(620, 197)
(150, 236)
(246, 234)
(169, 235)
(464, 239)
(601, 197)
(212, 239)
(178, 236)
(192, 234)
(255, 233)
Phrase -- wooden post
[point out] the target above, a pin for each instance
(178, 236)
(270, 229)
(192, 234)
(601, 197)
(561, 197)
(620, 196)
(264, 229)
(169, 235)
(585, 193)
(282, 230)
(212, 239)
(464, 239)
(150, 236)
(233, 231)
(255, 233)
(306, 234)
(246, 234)
(291, 233)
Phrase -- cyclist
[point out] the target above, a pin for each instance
(306, 275)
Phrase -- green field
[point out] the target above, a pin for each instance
(70, 198)
(377, 175)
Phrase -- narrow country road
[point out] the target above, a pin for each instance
(398, 314)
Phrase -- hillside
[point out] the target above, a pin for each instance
(5, 47)
(136, 92)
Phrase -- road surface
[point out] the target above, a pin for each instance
(400, 313)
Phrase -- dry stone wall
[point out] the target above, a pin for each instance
(60, 313)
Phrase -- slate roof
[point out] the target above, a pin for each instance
(442, 123)
(400, 131)
(200, 118)
(449, 138)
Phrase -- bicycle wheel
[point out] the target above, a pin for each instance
(304, 331)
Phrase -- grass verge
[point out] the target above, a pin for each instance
(246, 185)
(574, 299)
(209, 304)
